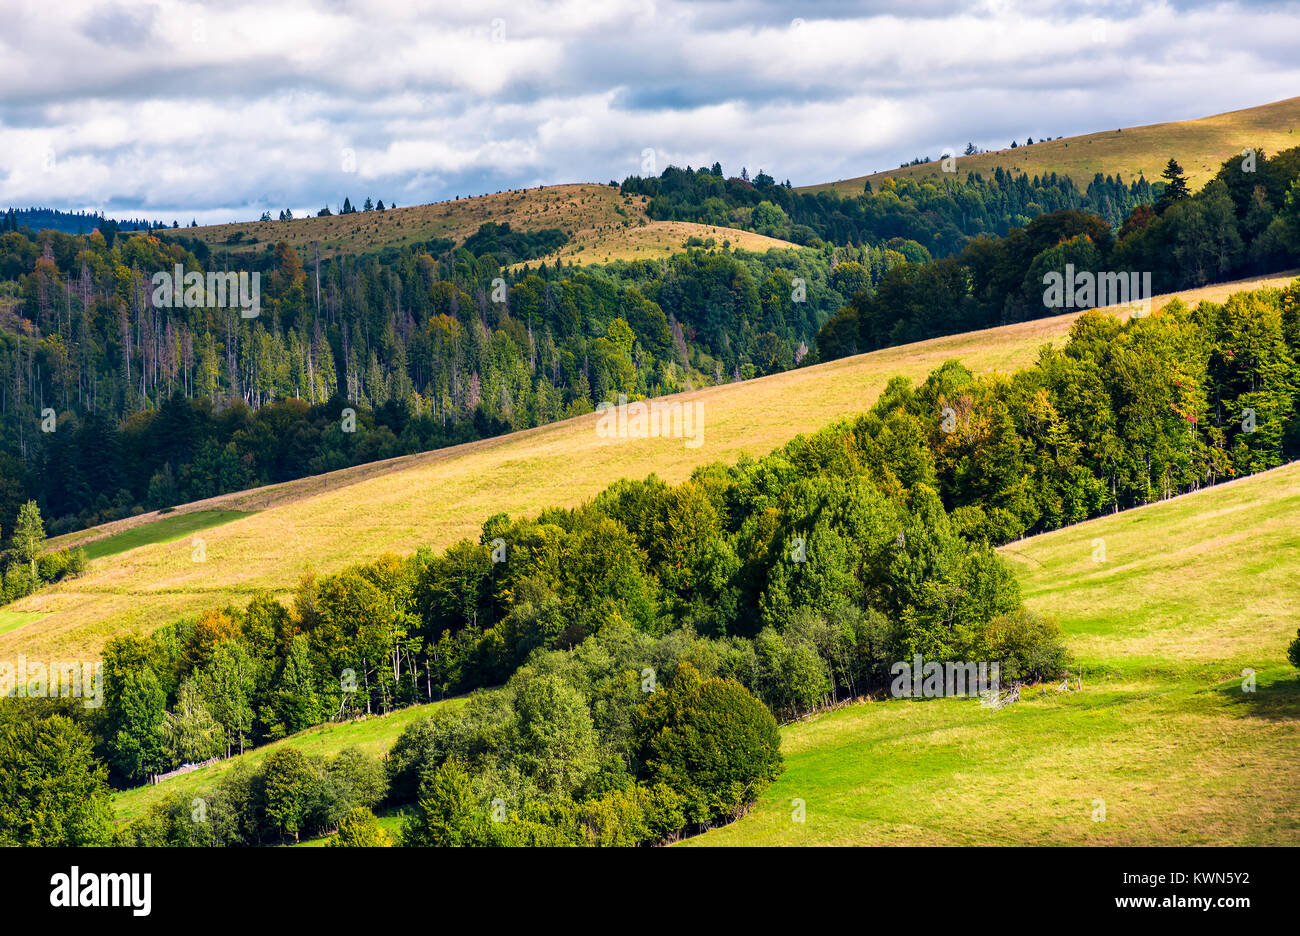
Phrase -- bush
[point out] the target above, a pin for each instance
(446, 815)
(360, 829)
(1293, 653)
(1030, 648)
(710, 742)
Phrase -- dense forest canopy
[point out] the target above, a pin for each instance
(1241, 223)
(160, 405)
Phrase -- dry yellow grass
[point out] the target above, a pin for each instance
(583, 210)
(1200, 146)
(603, 225)
(656, 240)
(328, 522)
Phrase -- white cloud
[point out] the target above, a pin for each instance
(175, 108)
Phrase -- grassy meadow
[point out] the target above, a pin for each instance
(1200, 146)
(656, 240)
(168, 528)
(327, 522)
(1191, 592)
(603, 225)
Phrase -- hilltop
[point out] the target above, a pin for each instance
(601, 225)
(1200, 146)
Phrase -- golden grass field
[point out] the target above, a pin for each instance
(580, 209)
(1193, 592)
(656, 240)
(327, 522)
(1200, 146)
(604, 225)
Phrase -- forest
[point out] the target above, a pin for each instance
(941, 217)
(110, 406)
(1241, 223)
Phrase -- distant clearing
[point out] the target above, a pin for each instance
(373, 735)
(657, 240)
(165, 528)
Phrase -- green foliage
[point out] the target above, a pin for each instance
(413, 353)
(710, 742)
(445, 814)
(290, 783)
(360, 829)
(53, 793)
(935, 219)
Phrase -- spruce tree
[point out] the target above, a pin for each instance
(1175, 186)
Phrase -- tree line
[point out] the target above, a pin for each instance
(1245, 221)
(794, 580)
(942, 215)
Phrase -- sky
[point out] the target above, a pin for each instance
(220, 111)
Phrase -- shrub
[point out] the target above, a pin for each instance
(1030, 647)
(710, 742)
(360, 829)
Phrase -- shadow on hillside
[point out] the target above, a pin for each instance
(1276, 697)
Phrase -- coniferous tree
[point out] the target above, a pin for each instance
(1175, 186)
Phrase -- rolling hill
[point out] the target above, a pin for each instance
(1194, 592)
(329, 521)
(1200, 146)
(602, 224)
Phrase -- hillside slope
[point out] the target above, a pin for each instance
(1192, 592)
(577, 209)
(330, 521)
(602, 224)
(1200, 146)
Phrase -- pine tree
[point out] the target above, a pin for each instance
(1175, 186)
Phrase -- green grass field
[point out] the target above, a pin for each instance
(1200, 146)
(1192, 592)
(167, 529)
(373, 735)
(330, 521)
(12, 620)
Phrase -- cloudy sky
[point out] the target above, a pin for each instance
(220, 111)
